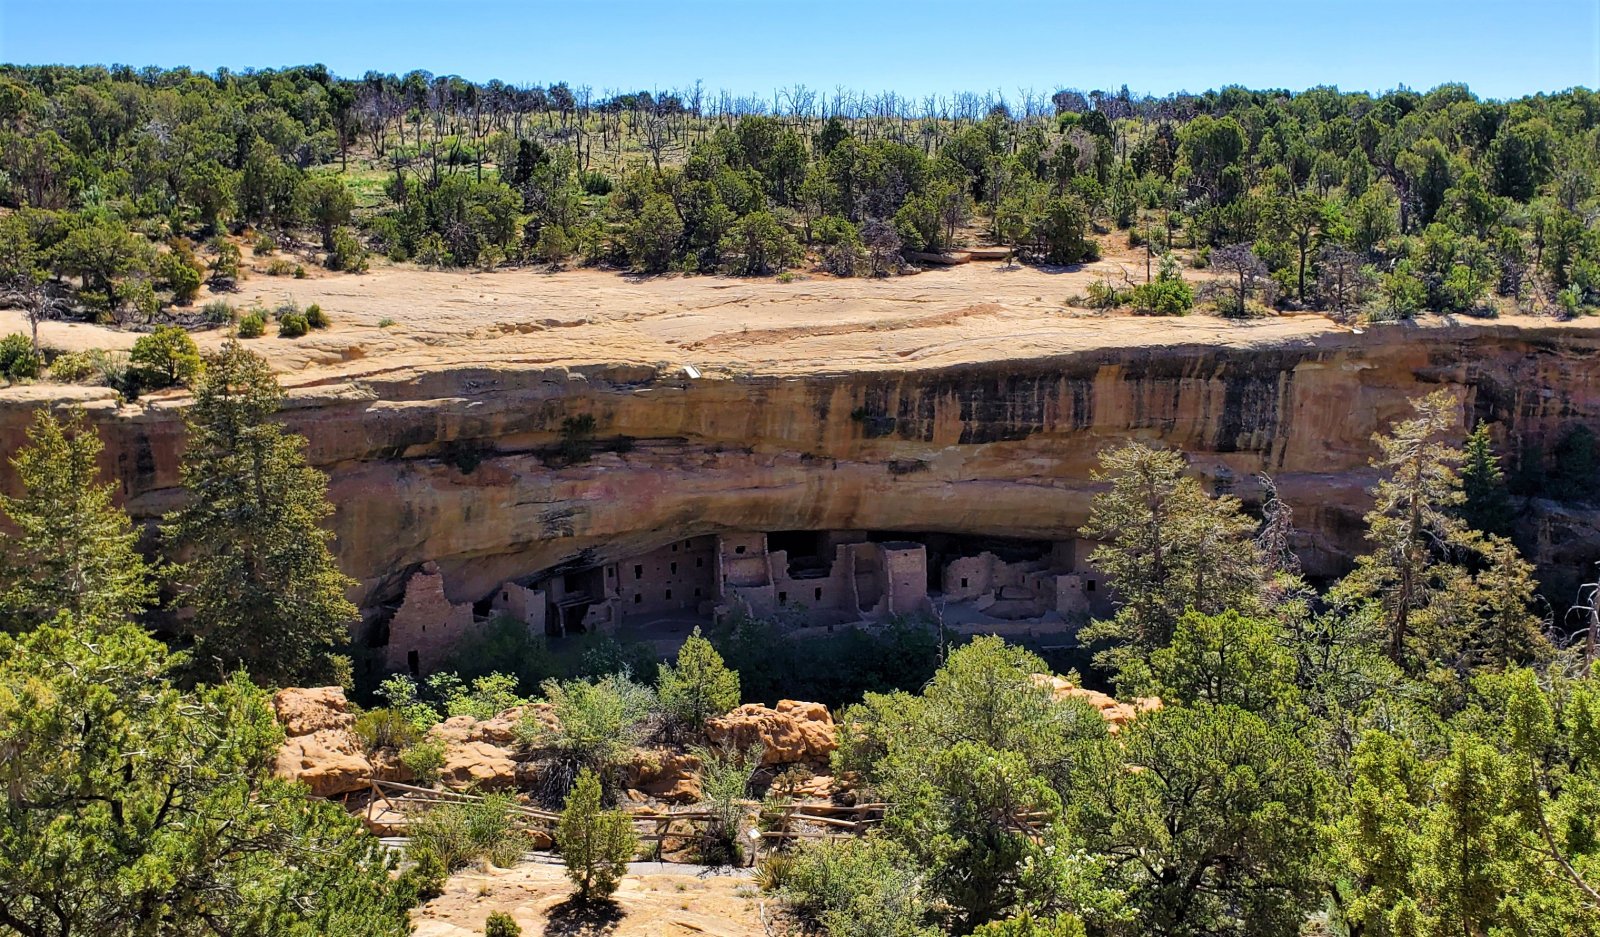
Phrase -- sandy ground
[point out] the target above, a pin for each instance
(654, 901)
(814, 324)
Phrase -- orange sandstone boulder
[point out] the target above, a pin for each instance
(793, 732)
(666, 775)
(319, 750)
(1116, 714)
(478, 753)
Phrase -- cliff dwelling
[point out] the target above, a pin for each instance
(806, 579)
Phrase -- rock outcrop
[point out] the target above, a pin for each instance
(1116, 714)
(320, 749)
(462, 464)
(792, 733)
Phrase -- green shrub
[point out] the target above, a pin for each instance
(1102, 295)
(595, 182)
(74, 367)
(426, 877)
(400, 690)
(18, 360)
(225, 269)
(461, 834)
(386, 323)
(180, 275)
(856, 888)
(724, 783)
(293, 325)
(280, 267)
(253, 324)
(597, 722)
(501, 924)
(315, 317)
(424, 757)
(699, 687)
(218, 312)
(554, 245)
(347, 253)
(383, 727)
(264, 245)
(165, 358)
(1162, 298)
(487, 697)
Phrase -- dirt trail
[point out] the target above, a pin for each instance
(654, 901)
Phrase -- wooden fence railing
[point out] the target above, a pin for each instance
(772, 823)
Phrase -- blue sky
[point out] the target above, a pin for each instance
(1502, 48)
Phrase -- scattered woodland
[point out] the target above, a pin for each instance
(128, 189)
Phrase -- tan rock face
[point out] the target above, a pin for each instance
(999, 447)
(1116, 714)
(666, 775)
(320, 749)
(479, 754)
(791, 733)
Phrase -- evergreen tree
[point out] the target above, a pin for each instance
(596, 844)
(1487, 507)
(699, 687)
(257, 572)
(1412, 525)
(133, 809)
(1167, 547)
(73, 550)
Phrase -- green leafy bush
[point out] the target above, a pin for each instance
(597, 721)
(166, 357)
(218, 312)
(856, 888)
(424, 758)
(253, 324)
(315, 317)
(698, 687)
(347, 253)
(383, 727)
(461, 834)
(293, 325)
(74, 367)
(18, 360)
(501, 924)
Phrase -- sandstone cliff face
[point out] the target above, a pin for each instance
(460, 465)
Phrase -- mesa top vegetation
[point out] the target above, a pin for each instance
(129, 186)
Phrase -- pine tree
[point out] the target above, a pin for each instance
(1412, 523)
(1166, 547)
(596, 844)
(73, 550)
(699, 687)
(258, 575)
(1487, 507)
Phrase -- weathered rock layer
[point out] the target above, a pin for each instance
(482, 470)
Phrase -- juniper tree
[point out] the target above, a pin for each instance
(699, 687)
(134, 808)
(73, 549)
(596, 844)
(256, 570)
